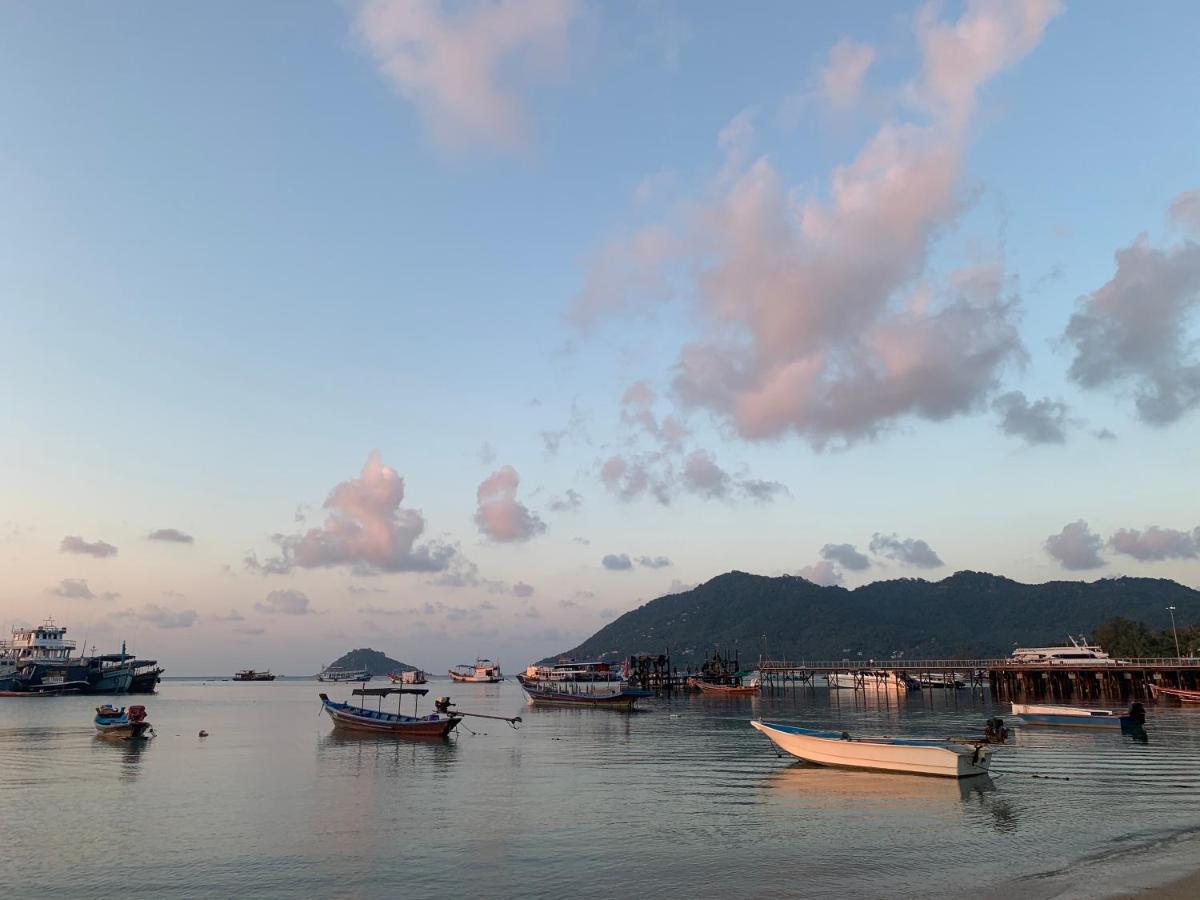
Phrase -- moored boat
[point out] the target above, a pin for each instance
(411, 676)
(872, 680)
(749, 688)
(1077, 652)
(358, 718)
(337, 673)
(129, 724)
(574, 683)
(941, 757)
(252, 675)
(1070, 716)
(483, 672)
(1178, 693)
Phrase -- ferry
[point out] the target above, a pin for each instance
(572, 683)
(872, 680)
(337, 673)
(1078, 652)
(483, 672)
(252, 675)
(38, 660)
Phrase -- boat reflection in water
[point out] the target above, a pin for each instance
(822, 787)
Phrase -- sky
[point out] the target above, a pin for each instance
(458, 329)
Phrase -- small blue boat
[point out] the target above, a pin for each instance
(129, 724)
(1070, 716)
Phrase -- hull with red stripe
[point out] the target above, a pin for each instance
(358, 718)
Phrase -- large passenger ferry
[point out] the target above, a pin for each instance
(572, 683)
(1078, 652)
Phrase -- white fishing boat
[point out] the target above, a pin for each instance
(1077, 652)
(941, 757)
(1070, 716)
(337, 673)
(483, 672)
(872, 680)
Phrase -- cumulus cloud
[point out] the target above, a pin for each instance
(568, 502)
(653, 562)
(458, 63)
(160, 616)
(75, 544)
(234, 616)
(1156, 543)
(637, 409)
(365, 528)
(1076, 547)
(846, 556)
(763, 491)
(171, 535)
(1184, 210)
(702, 476)
(906, 551)
(521, 589)
(842, 77)
(500, 515)
(1133, 331)
(288, 603)
(820, 316)
(823, 573)
(78, 589)
(617, 562)
(632, 476)
(1041, 422)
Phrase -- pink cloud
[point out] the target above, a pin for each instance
(500, 515)
(458, 63)
(842, 78)
(819, 314)
(365, 527)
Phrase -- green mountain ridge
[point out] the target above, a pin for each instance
(968, 614)
(372, 660)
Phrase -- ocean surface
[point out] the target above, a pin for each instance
(681, 799)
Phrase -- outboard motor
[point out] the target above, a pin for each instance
(442, 704)
(1137, 715)
(994, 731)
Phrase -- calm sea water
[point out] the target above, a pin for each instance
(681, 799)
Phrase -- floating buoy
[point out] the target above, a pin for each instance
(203, 733)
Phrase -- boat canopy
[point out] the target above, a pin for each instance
(383, 692)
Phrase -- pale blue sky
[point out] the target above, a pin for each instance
(234, 260)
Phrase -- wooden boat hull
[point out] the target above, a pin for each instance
(1178, 693)
(474, 679)
(362, 720)
(622, 698)
(915, 757)
(1069, 717)
(126, 730)
(725, 690)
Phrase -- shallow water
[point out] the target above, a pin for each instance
(681, 799)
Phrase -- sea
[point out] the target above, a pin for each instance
(679, 799)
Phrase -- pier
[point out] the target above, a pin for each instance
(1128, 679)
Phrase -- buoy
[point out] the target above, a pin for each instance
(203, 733)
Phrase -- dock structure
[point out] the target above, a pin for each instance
(1127, 679)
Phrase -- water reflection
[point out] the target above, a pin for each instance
(128, 751)
(834, 787)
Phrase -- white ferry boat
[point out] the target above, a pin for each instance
(337, 673)
(1078, 652)
(572, 683)
(483, 672)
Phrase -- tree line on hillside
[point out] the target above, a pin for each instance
(1126, 638)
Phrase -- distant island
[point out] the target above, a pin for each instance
(968, 614)
(372, 661)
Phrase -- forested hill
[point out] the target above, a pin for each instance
(970, 614)
(372, 660)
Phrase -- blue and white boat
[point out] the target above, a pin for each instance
(1070, 716)
(573, 683)
(129, 724)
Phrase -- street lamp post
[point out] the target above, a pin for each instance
(1171, 610)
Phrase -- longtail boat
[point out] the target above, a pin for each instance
(1070, 716)
(1179, 693)
(437, 724)
(944, 757)
(410, 676)
(129, 724)
(725, 690)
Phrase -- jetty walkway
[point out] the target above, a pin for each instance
(1126, 679)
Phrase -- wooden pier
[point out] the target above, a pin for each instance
(1123, 680)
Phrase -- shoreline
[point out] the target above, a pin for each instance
(1164, 868)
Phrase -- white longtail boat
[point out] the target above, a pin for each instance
(941, 757)
(1069, 716)
(1178, 693)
